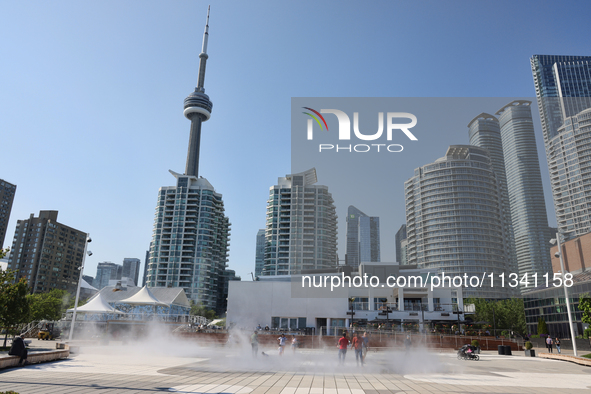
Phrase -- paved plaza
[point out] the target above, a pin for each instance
(187, 368)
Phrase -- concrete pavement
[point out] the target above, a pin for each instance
(187, 368)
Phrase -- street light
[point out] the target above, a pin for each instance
(351, 301)
(88, 240)
(563, 271)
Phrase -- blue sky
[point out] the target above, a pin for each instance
(92, 92)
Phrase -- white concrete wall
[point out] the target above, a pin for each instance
(253, 303)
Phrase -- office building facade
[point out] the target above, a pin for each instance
(301, 231)
(549, 304)
(227, 277)
(453, 218)
(363, 238)
(569, 164)
(190, 240)
(131, 269)
(563, 89)
(106, 271)
(146, 261)
(260, 253)
(47, 253)
(398, 238)
(7, 191)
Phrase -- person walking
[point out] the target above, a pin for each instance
(357, 344)
(407, 343)
(365, 339)
(557, 343)
(549, 343)
(343, 344)
(282, 339)
(294, 344)
(254, 343)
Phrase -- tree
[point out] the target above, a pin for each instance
(542, 327)
(201, 310)
(14, 306)
(48, 306)
(507, 314)
(4, 252)
(585, 307)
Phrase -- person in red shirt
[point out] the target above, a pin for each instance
(343, 345)
(357, 344)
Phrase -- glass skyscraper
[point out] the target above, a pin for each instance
(453, 218)
(559, 79)
(260, 253)
(400, 248)
(363, 238)
(563, 90)
(7, 191)
(301, 232)
(131, 269)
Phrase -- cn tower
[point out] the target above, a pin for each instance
(191, 233)
(198, 109)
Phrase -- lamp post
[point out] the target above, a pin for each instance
(563, 271)
(87, 240)
(351, 301)
(494, 322)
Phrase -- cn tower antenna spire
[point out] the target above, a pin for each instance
(203, 55)
(198, 108)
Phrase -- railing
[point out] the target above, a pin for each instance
(431, 336)
(31, 329)
(415, 307)
(383, 306)
(138, 317)
(393, 306)
(361, 306)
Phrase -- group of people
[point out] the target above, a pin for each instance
(550, 342)
(282, 342)
(359, 342)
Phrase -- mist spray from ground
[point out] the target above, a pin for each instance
(199, 353)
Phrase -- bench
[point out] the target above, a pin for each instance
(35, 358)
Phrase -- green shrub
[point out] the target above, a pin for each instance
(475, 343)
(542, 327)
(534, 336)
(528, 345)
(505, 333)
(587, 333)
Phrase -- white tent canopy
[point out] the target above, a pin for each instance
(96, 305)
(214, 322)
(84, 284)
(143, 297)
